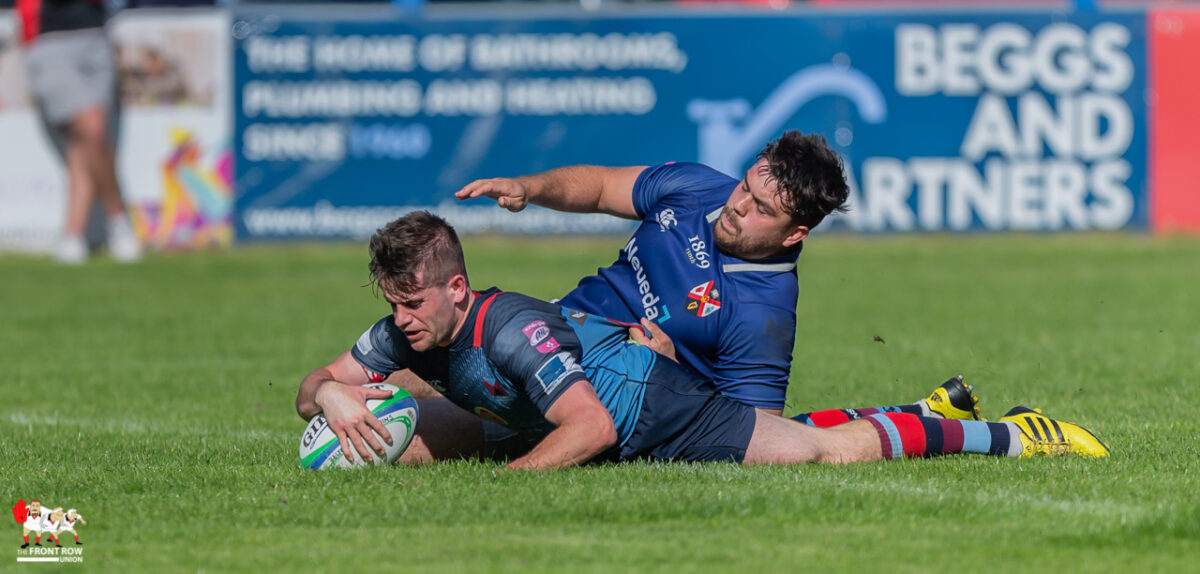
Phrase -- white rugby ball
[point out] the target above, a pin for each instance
(319, 447)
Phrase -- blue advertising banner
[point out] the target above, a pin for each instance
(968, 121)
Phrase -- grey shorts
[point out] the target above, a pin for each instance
(68, 72)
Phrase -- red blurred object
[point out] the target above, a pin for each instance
(19, 511)
(1174, 120)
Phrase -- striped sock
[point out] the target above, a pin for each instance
(834, 417)
(905, 434)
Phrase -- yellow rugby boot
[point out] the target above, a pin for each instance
(954, 400)
(1042, 435)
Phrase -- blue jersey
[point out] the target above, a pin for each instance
(731, 319)
(513, 358)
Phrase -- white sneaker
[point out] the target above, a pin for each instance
(123, 243)
(71, 250)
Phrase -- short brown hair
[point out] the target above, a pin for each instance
(419, 243)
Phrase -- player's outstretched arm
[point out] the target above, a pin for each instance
(576, 189)
(336, 390)
(584, 430)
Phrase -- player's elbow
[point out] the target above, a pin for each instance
(604, 434)
(303, 408)
(306, 407)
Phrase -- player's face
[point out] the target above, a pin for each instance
(431, 316)
(753, 224)
(35, 506)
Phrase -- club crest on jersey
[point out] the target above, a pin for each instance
(666, 219)
(703, 300)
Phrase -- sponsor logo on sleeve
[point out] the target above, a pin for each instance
(555, 370)
(704, 300)
(539, 337)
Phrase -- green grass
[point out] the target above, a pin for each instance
(158, 398)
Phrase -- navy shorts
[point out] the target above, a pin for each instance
(685, 418)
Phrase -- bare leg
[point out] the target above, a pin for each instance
(777, 440)
(80, 189)
(91, 128)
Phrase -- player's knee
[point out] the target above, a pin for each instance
(417, 453)
(90, 128)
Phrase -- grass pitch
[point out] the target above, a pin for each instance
(157, 399)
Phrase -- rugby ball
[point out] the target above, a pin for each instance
(319, 447)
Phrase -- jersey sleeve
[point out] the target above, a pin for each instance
(656, 183)
(755, 357)
(381, 350)
(537, 352)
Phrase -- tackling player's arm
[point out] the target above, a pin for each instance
(583, 429)
(336, 390)
(649, 334)
(577, 189)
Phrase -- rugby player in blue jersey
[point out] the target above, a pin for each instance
(711, 269)
(582, 390)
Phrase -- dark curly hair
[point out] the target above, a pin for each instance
(809, 176)
(417, 243)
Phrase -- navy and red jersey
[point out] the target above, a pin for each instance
(731, 319)
(41, 16)
(514, 356)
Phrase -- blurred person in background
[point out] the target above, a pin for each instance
(73, 78)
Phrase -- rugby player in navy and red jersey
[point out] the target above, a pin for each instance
(582, 390)
(711, 269)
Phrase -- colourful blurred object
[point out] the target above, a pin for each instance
(197, 204)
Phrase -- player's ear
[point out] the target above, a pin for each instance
(796, 234)
(459, 287)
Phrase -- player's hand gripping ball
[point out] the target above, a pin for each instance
(319, 448)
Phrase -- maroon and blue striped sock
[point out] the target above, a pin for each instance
(906, 434)
(834, 417)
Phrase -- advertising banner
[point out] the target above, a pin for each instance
(972, 121)
(174, 158)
